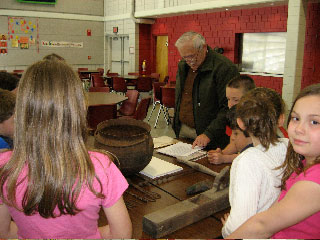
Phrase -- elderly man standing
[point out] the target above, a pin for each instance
(201, 102)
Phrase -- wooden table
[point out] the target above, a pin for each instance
(172, 191)
(98, 98)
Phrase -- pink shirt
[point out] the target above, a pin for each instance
(85, 223)
(309, 227)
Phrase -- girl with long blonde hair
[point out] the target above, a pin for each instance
(50, 184)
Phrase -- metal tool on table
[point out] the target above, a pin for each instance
(148, 197)
(179, 215)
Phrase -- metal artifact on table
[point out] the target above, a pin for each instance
(182, 214)
(129, 140)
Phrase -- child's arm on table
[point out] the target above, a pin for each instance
(119, 223)
(8, 228)
(225, 156)
(301, 201)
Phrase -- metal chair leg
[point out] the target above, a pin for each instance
(153, 107)
(157, 119)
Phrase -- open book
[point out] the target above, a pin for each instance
(158, 168)
(179, 149)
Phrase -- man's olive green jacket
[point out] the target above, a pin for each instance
(209, 97)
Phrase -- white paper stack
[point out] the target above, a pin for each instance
(179, 149)
(158, 168)
(162, 141)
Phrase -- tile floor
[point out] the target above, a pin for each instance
(162, 127)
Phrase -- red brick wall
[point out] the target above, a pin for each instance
(220, 29)
(311, 60)
(145, 47)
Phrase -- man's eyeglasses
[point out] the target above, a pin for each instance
(192, 58)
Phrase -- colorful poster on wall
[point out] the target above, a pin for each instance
(24, 45)
(25, 30)
(3, 44)
(14, 43)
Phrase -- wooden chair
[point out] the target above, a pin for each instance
(128, 107)
(99, 89)
(97, 80)
(134, 73)
(142, 109)
(155, 77)
(100, 113)
(144, 84)
(101, 71)
(166, 79)
(156, 96)
(119, 84)
(167, 101)
(18, 71)
(83, 75)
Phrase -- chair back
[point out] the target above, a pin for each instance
(18, 71)
(119, 84)
(83, 75)
(166, 79)
(97, 80)
(142, 109)
(100, 113)
(99, 89)
(128, 107)
(134, 73)
(111, 74)
(144, 84)
(157, 91)
(168, 97)
(101, 71)
(155, 77)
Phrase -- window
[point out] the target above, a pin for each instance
(263, 52)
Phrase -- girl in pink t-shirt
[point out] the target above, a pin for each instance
(50, 184)
(297, 212)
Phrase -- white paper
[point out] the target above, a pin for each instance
(158, 168)
(162, 141)
(179, 149)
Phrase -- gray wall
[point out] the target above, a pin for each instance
(55, 29)
(87, 7)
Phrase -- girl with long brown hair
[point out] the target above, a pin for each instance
(297, 212)
(50, 184)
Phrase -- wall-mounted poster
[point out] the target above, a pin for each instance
(25, 30)
(24, 45)
(3, 51)
(3, 44)
(14, 43)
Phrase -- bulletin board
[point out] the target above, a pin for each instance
(29, 39)
(23, 32)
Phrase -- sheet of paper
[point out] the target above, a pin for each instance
(163, 141)
(179, 149)
(158, 168)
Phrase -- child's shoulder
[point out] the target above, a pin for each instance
(312, 174)
(99, 157)
(4, 157)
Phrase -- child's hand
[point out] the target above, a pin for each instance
(225, 218)
(215, 156)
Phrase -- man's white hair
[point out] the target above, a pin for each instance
(197, 39)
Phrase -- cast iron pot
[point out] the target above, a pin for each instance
(129, 140)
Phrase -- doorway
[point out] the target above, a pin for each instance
(119, 46)
(162, 56)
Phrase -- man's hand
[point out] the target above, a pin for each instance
(215, 156)
(202, 141)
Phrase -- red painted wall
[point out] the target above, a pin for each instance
(220, 29)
